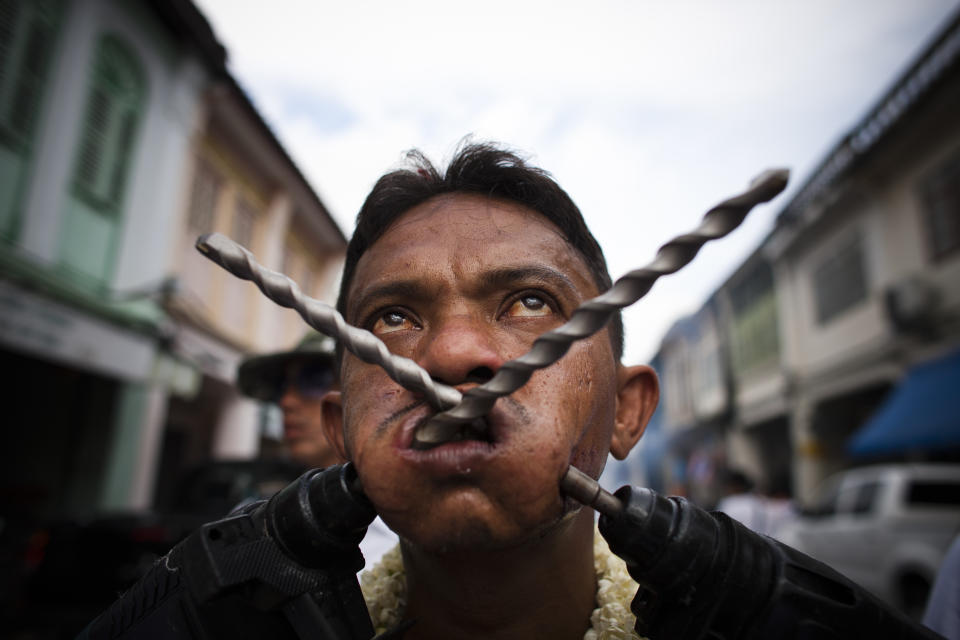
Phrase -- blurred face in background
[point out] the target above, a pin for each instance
(303, 386)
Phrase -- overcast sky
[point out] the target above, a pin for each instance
(647, 113)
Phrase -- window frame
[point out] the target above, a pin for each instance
(938, 190)
(207, 184)
(105, 148)
(824, 277)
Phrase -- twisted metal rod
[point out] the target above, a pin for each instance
(594, 314)
(324, 318)
(586, 320)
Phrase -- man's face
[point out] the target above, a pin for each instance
(304, 385)
(462, 284)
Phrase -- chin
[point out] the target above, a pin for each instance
(470, 537)
(464, 534)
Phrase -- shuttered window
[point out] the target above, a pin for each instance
(941, 195)
(840, 280)
(203, 197)
(110, 122)
(27, 35)
(755, 331)
(27, 31)
(244, 217)
(107, 134)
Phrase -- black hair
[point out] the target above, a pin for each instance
(477, 168)
(736, 481)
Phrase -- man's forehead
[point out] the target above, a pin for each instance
(453, 229)
(468, 215)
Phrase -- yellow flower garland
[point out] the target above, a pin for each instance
(385, 590)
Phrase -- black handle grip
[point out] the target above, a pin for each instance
(705, 575)
(280, 569)
(155, 602)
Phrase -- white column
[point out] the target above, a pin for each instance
(130, 476)
(810, 465)
(277, 223)
(59, 129)
(237, 436)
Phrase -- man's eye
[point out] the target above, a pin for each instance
(529, 306)
(392, 321)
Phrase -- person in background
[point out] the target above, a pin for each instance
(780, 508)
(766, 513)
(296, 380)
(740, 502)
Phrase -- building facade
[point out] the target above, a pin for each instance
(121, 136)
(695, 405)
(855, 285)
(867, 261)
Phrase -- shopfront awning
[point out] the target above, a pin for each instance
(922, 414)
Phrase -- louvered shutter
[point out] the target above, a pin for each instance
(27, 32)
(109, 126)
(91, 222)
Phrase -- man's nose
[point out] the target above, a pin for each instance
(460, 350)
(289, 398)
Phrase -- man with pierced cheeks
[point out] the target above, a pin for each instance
(461, 271)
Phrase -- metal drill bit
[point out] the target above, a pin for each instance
(547, 349)
(324, 318)
(587, 491)
(594, 314)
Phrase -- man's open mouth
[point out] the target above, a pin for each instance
(430, 434)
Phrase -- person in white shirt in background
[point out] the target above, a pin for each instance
(765, 514)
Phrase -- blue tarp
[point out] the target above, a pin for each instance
(921, 414)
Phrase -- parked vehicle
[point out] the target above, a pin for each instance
(886, 527)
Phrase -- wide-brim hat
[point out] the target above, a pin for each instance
(261, 376)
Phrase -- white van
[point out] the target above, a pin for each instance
(886, 527)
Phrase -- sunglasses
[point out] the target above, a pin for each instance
(308, 380)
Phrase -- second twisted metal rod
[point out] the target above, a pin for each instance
(547, 349)
(594, 314)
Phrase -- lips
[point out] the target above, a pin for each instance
(467, 447)
(481, 430)
(428, 435)
(291, 431)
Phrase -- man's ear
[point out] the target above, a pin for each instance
(637, 395)
(331, 406)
